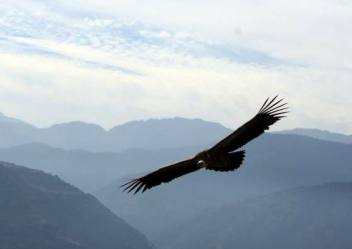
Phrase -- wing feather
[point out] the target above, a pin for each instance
(270, 112)
(163, 175)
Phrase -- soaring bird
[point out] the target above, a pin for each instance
(223, 156)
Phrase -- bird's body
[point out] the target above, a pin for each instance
(223, 156)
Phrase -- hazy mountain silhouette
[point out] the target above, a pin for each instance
(38, 210)
(74, 135)
(14, 131)
(320, 134)
(168, 133)
(86, 170)
(318, 217)
(6, 119)
(150, 134)
(273, 163)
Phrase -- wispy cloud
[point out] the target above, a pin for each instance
(23, 47)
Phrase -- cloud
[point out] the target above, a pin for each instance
(92, 66)
(16, 46)
(311, 32)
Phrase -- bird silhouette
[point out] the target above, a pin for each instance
(223, 156)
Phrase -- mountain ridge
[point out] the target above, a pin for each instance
(137, 134)
(38, 210)
(171, 133)
(320, 134)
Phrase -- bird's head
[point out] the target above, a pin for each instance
(201, 158)
(201, 163)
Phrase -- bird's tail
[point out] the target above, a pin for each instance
(229, 162)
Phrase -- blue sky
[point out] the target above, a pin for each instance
(109, 62)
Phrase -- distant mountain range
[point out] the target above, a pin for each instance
(320, 134)
(90, 171)
(38, 210)
(316, 217)
(76, 153)
(149, 134)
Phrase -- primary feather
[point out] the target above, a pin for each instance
(269, 113)
(162, 175)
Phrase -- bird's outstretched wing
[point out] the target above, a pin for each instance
(270, 112)
(165, 174)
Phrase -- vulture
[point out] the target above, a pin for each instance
(223, 156)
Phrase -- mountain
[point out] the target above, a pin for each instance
(76, 151)
(167, 133)
(320, 134)
(38, 210)
(150, 134)
(316, 217)
(6, 119)
(14, 131)
(87, 170)
(73, 135)
(273, 163)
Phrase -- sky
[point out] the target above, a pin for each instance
(109, 62)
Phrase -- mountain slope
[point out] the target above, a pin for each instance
(6, 119)
(41, 211)
(316, 217)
